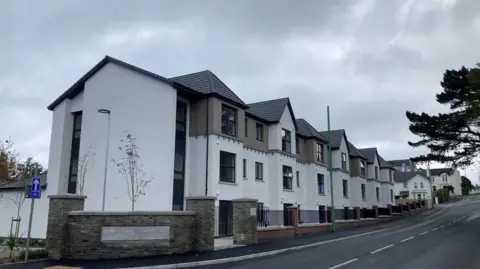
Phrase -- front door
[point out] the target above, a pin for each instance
(287, 221)
(321, 214)
(225, 218)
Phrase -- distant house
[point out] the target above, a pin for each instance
(14, 196)
(412, 185)
(447, 178)
(403, 165)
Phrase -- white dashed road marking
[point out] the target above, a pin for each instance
(405, 240)
(424, 233)
(380, 249)
(434, 229)
(342, 264)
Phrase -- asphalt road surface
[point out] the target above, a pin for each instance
(449, 240)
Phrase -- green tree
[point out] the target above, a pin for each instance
(452, 137)
(467, 184)
(12, 166)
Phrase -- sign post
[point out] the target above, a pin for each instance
(34, 194)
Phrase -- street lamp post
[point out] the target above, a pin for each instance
(105, 111)
(332, 212)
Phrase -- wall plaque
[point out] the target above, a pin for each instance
(111, 234)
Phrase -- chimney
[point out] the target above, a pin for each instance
(428, 171)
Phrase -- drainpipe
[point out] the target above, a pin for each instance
(207, 144)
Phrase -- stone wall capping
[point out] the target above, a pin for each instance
(201, 198)
(245, 200)
(131, 213)
(66, 196)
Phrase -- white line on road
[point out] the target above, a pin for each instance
(380, 249)
(342, 264)
(442, 226)
(434, 229)
(405, 240)
(424, 233)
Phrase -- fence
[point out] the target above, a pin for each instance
(269, 218)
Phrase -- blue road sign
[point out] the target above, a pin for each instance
(35, 189)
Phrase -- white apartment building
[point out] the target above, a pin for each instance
(412, 185)
(195, 136)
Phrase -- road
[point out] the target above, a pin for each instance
(448, 240)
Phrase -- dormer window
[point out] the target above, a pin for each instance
(229, 120)
(286, 141)
(320, 153)
(376, 172)
(344, 161)
(362, 168)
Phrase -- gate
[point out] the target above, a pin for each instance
(225, 218)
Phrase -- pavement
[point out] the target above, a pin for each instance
(350, 239)
(445, 241)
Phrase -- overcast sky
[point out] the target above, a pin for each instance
(369, 60)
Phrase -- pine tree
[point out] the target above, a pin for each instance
(452, 137)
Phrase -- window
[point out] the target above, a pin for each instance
(227, 167)
(391, 196)
(344, 161)
(364, 195)
(320, 153)
(245, 168)
(393, 176)
(297, 145)
(421, 185)
(229, 120)
(345, 188)
(390, 176)
(75, 152)
(415, 185)
(376, 172)
(298, 179)
(287, 177)
(286, 140)
(377, 190)
(258, 171)
(321, 183)
(405, 184)
(259, 128)
(246, 127)
(362, 168)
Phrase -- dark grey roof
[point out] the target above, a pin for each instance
(406, 176)
(271, 110)
(354, 152)
(336, 136)
(305, 129)
(25, 182)
(384, 164)
(370, 154)
(207, 82)
(400, 162)
(78, 86)
(439, 171)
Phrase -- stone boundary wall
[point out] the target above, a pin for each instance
(130, 234)
(77, 234)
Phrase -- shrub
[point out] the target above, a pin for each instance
(34, 254)
(443, 195)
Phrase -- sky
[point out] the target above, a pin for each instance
(370, 61)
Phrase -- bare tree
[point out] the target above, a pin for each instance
(83, 169)
(130, 168)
